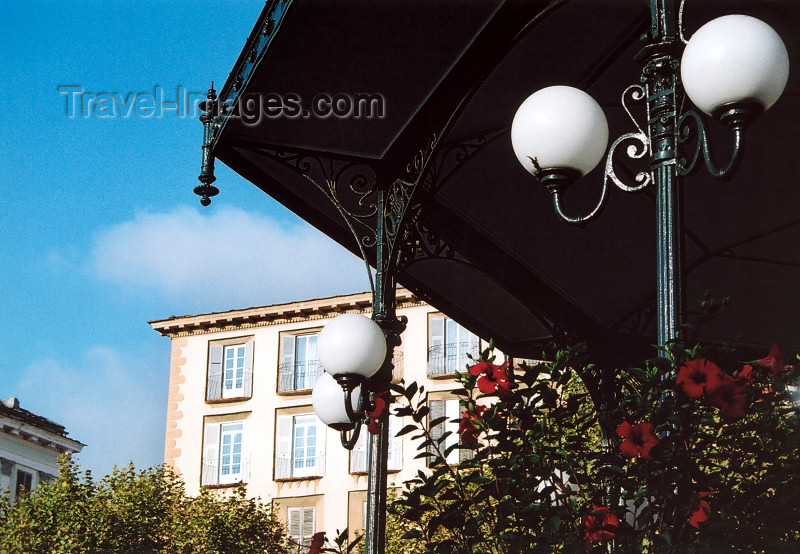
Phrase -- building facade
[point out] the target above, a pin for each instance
(30, 446)
(240, 405)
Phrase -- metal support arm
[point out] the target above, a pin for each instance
(738, 117)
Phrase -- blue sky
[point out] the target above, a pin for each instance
(100, 231)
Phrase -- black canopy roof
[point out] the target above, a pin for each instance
(491, 253)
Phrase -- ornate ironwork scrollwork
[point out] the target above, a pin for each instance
(737, 117)
(398, 200)
(453, 155)
(638, 145)
(352, 188)
(423, 244)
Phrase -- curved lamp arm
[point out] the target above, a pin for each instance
(350, 442)
(356, 416)
(556, 180)
(738, 117)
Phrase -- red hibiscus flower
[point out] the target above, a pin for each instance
(637, 440)
(317, 542)
(466, 427)
(731, 398)
(699, 377)
(492, 379)
(746, 375)
(700, 509)
(600, 526)
(773, 360)
(374, 425)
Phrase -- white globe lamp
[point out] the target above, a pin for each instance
(351, 344)
(734, 59)
(327, 398)
(562, 128)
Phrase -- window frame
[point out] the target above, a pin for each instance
(451, 407)
(212, 453)
(450, 357)
(235, 429)
(358, 455)
(216, 370)
(26, 484)
(236, 370)
(284, 457)
(287, 383)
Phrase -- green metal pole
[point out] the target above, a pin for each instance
(384, 314)
(661, 59)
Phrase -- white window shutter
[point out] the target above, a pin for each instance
(463, 453)
(309, 522)
(437, 411)
(287, 349)
(436, 349)
(245, 452)
(395, 443)
(294, 527)
(313, 363)
(322, 432)
(301, 524)
(436, 328)
(286, 370)
(283, 447)
(452, 409)
(248, 369)
(214, 385)
(358, 455)
(210, 470)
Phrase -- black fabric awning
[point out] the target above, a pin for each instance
(491, 252)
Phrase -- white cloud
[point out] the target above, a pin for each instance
(113, 402)
(225, 259)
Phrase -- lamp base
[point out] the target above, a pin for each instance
(738, 115)
(557, 179)
(348, 381)
(342, 427)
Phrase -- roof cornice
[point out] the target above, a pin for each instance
(306, 310)
(30, 432)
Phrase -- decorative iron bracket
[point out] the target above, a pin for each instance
(210, 121)
(667, 132)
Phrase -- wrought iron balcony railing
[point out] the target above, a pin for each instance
(288, 466)
(215, 390)
(211, 474)
(294, 376)
(446, 359)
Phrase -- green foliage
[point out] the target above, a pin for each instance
(134, 511)
(210, 523)
(542, 464)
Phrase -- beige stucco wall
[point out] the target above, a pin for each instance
(188, 409)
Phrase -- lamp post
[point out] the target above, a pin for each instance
(353, 351)
(733, 68)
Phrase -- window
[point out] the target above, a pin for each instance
(24, 482)
(300, 447)
(451, 409)
(448, 346)
(225, 459)
(358, 456)
(299, 366)
(230, 458)
(301, 525)
(230, 371)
